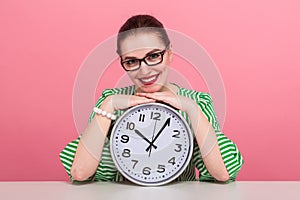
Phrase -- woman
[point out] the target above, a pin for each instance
(145, 53)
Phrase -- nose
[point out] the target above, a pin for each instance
(144, 69)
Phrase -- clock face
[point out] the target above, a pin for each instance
(151, 144)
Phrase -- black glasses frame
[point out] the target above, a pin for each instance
(144, 60)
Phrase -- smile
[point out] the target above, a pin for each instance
(149, 80)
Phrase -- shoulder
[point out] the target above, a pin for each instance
(199, 97)
(123, 90)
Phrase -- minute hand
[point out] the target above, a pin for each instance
(167, 123)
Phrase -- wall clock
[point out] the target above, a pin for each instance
(151, 144)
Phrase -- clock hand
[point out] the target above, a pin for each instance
(142, 136)
(152, 137)
(167, 123)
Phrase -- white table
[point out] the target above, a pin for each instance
(183, 190)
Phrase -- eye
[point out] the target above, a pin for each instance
(153, 56)
(130, 62)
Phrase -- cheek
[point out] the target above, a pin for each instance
(131, 75)
(165, 70)
(168, 59)
(166, 73)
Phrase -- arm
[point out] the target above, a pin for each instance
(82, 157)
(215, 155)
(85, 163)
(202, 130)
(230, 154)
(78, 162)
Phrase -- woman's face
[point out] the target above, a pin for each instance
(147, 78)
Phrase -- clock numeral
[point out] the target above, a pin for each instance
(161, 168)
(142, 118)
(177, 133)
(155, 115)
(126, 153)
(124, 138)
(147, 171)
(172, 161)
(179, 147)
(134, 164)
(130, 125)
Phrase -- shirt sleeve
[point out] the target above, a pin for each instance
(231, 156)
(68, 153)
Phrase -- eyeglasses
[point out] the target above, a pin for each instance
(150, 60)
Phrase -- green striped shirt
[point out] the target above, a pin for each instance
(107, 171)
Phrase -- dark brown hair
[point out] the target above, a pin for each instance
(135, 24)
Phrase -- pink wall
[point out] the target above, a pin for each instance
(255, 45)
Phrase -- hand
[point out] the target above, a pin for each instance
(167, 123)
(179, 102)
(120, 101)
(142, 136)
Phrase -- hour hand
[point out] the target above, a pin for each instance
(142, 136)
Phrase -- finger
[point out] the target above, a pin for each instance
(157, 95)
(140, 100)
(166, 97)
(169, 98)
(151, 93)
(141, 94)
(125, 101)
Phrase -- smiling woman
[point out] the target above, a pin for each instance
(150, 72)
(146, 54)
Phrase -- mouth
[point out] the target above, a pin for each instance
(149, 80)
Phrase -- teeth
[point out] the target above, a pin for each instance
(149, 79)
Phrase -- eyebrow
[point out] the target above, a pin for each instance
(150, 52)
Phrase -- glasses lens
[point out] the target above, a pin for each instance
(150, 60)
(154, 58)
(131, 64)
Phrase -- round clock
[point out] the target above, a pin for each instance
(151, 144)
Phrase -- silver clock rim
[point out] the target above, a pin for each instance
(167, 180)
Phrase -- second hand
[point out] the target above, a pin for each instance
(152, 137)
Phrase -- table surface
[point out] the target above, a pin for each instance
(253, 190)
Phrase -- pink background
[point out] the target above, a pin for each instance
(255, 45)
